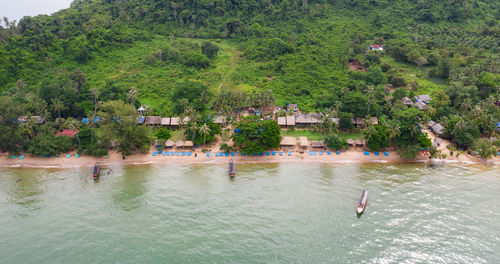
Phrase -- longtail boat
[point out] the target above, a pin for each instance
(360, 207)
(232, 170)
(97, 171)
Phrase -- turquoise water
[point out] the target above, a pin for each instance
(273, 213)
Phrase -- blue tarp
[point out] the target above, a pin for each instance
(376, 153)
(274, 153)
(281, 153)
(232, 154)
(154, 153)
(328, 153)
(85, 120)
(237, 130)
(267, 153)
(208, 154)
(338, 152)
(386, 154)
(97, 119)
(367, 153)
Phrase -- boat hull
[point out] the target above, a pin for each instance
(363, 200)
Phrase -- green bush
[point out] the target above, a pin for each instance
(333, 141)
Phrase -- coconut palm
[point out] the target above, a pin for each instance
(393, 129)
(466, 105)
(58, 105)
(204, 130)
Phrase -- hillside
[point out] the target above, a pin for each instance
(300, 50)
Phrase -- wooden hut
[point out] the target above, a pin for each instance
(165, 121)
(290, 121)
(169, 143)
(350, 142)
(282, 121)
(300, 120)
(288, 142)
(188, 144)
(179, 144)
(359, 143)
(317, 144)
(174, 122)
(153, 120)
(303, 142)
(220, 120)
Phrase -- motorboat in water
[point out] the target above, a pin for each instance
(232, 170)
(97, 171)
(360, 207)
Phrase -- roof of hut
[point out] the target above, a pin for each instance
(169, 143)
(358, 142)
(311, 119)
(300, 119)
(303, 141)
(290, 120)
(174, 121)
(153, 120)
(188, 143)
(288, 141)
(220, 120)
(317, 144)
(165, 121)
(179, 143)
(407, 101)
(282, 121)
(374, 120)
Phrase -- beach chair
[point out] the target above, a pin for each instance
(154, 153)
(176, 153)
(242, 154)
(267, 153)
(164, 154)
(337, 152)
(77, 155)
(376, 153)
(274, 153)
(386, 154)
(21, 157)
(216, 154)
(321, 153)
(68, 156)
(172, 153)
(221, 154)
(208, 154)
(189, 153)
(226, 154)
(289, 153)
(261, 154)
(14, 157)
(366, 153)
(281, 153)
(160, 151)
(232, 154)
(328, 153)
(183, 153)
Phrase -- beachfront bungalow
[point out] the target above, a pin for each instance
(153, 120)
(407, 101)
(303, 142)
(350, 142)
(143, 109)
(169, 143)
(425, 98)
(282, 121)
(436, 128)
(292, 107)
(359, 143)
(165, 121)
(288, 142)
(188, 144)
(357, 121)
(317, 144)
(179, 144)
(174, 122)
(290, 121)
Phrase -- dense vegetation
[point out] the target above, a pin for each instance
(218, 56)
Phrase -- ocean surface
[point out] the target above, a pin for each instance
(270, 213)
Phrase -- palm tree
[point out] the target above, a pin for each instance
(194, 127)
(466, 105)
(393, 129)
(58, 105)
(370, 130)
(95, 93)
(204, 130)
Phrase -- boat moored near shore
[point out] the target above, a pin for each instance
(360, 207)
(97, 171)
(232, 170)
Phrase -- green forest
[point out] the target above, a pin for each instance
(105, 58)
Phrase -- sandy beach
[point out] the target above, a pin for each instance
(349, 156)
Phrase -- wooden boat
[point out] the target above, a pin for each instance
(97, 171)
(360, 207)
(232, 170)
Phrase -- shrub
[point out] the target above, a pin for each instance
(333, 141)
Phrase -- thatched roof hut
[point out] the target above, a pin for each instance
(165, 121)
(303, 142)
(300, 119)
(153, 120)
(281, 121)
(290, 120)
(179, 143)
(174, 121)
(169, 143)
(188, 144)
(288, 142)
(359, 142)
(220, 120)
(374, 120)
(317, 144)
(350, 142)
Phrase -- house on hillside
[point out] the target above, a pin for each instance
(407, 101)
(174, 121)
(165, 121)
(290, 121)
(300, 120)
(376, 47)
(153, 120)
(425, 98)
(292, 107)
(281, 121)
(67, 133)
(436, 128)
(421, 105)
(143, 109)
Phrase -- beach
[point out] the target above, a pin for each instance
(115, 158)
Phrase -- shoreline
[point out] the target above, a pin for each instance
(346, 157)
